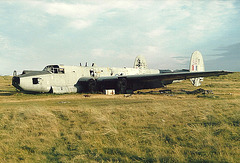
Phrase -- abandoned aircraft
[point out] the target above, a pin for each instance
(69, 79)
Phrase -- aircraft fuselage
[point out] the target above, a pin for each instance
(72, 79)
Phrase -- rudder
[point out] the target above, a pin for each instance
(140, 62)
(196, 65)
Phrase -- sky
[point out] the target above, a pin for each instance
(112, 33)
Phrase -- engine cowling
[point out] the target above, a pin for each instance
(87, 84)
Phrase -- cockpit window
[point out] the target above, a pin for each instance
(54, 69)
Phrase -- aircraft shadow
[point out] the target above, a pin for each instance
(7, 93)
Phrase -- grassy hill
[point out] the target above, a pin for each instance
(168, 127)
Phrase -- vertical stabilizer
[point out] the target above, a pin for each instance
(196, 65)
(140, 62)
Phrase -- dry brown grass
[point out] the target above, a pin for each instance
(144, 128)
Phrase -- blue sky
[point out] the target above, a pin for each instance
(112, 33)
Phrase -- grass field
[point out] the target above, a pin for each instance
(173, 127)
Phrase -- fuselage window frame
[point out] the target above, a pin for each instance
(35, 81)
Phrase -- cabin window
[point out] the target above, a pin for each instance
(35, 80)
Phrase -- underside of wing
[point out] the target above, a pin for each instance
(148, 81)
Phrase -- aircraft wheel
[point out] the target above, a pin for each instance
(122, 85)
(92, 86)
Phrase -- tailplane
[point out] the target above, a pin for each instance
(140, 62)
(196, 65)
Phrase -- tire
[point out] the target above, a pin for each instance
(122, 85)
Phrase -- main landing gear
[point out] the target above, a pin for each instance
(92, 86)
(121, 85)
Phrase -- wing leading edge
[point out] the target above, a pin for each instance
(165, 76)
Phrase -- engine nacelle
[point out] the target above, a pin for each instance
(87, 84)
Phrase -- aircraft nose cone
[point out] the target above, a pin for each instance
(16, 82)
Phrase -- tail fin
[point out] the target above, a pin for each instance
(196, 65)
(140, 62)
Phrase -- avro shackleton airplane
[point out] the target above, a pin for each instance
(69, 79)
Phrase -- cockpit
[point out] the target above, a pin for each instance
(54, 69)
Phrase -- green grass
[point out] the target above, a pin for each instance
(142, 128)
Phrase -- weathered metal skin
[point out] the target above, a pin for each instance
(73, 79)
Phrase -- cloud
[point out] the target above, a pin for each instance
(11, 56)
(84, 14)
(99, 53)
(4, 43)
(231, 51)
(115, 31)
(8, 49)
(168, 20)
(80, 24)
(158, 32)
(193, 21)
(78, 16)
(70, 10)
(228, 58)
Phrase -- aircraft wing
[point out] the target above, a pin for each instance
(176, 76)
(165, 76)
(148, 81)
